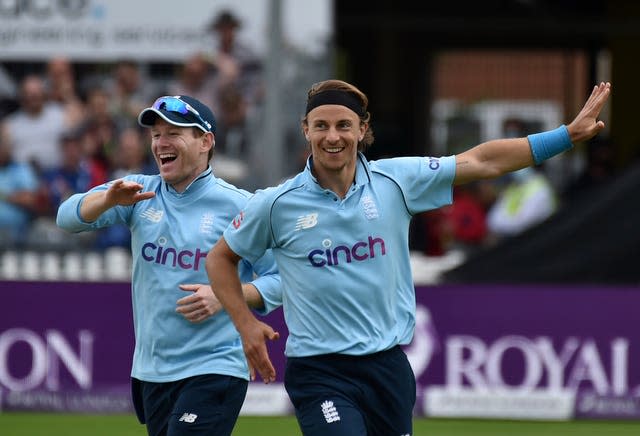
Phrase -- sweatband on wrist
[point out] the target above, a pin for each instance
(547, 144)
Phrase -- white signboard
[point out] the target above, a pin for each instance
(147, 30)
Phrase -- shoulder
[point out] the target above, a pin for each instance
(395, 166)
(293, 185)
(268, 197)
(222, 187)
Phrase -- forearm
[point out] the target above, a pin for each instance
(493, 159)
(93, 205)
(506, 155)
(225, 283)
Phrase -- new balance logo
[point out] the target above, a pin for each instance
(307, 221)
(330, 412)
(153, 215)
(188, 417)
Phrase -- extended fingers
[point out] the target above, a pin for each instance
(144, 195)
(258, 357)
(194, 316)
(599, 95)
(263, 365)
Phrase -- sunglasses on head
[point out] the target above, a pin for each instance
(174, 104)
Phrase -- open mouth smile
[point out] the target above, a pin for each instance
(167, 157)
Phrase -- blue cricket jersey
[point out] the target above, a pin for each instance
(171, 234)
(344, 263)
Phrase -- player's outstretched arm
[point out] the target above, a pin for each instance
(497, 157)
(120, 193)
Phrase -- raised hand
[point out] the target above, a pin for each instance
(125, 193)
(586, 124)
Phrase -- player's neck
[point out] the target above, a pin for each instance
(338, 181)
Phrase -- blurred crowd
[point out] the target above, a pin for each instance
(61, 134)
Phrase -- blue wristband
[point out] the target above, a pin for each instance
(547, 144)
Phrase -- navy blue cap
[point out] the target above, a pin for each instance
(179, 110)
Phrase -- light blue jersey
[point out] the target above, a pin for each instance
(346, 276)
(170, 236)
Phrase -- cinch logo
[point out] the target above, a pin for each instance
(359, 251)
(185, 259)
(434, 163)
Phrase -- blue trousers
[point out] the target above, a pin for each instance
(341, 395)
(205, 404)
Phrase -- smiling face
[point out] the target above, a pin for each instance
(333, 132)
(181, 153)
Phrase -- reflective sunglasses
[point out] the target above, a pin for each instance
(174, 104)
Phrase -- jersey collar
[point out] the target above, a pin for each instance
(363, 173)
(202, 179)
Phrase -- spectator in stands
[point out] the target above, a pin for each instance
(130, 91)
(467, 216)
(131, 156)
(527, 200)
(237, 82)
(195, 78)
(73, 175)
(235, 60)
(8, 93)
(600, 166)
(62, 88)
(36, 127)
(18, 194)
(461, 226)
(100, 132)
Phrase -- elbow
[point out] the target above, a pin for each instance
(493, 172)
(70, 227)
(67, 218)
(62, 220)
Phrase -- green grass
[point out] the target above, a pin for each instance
(35, 424)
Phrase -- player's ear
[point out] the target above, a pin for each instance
(208, 141)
